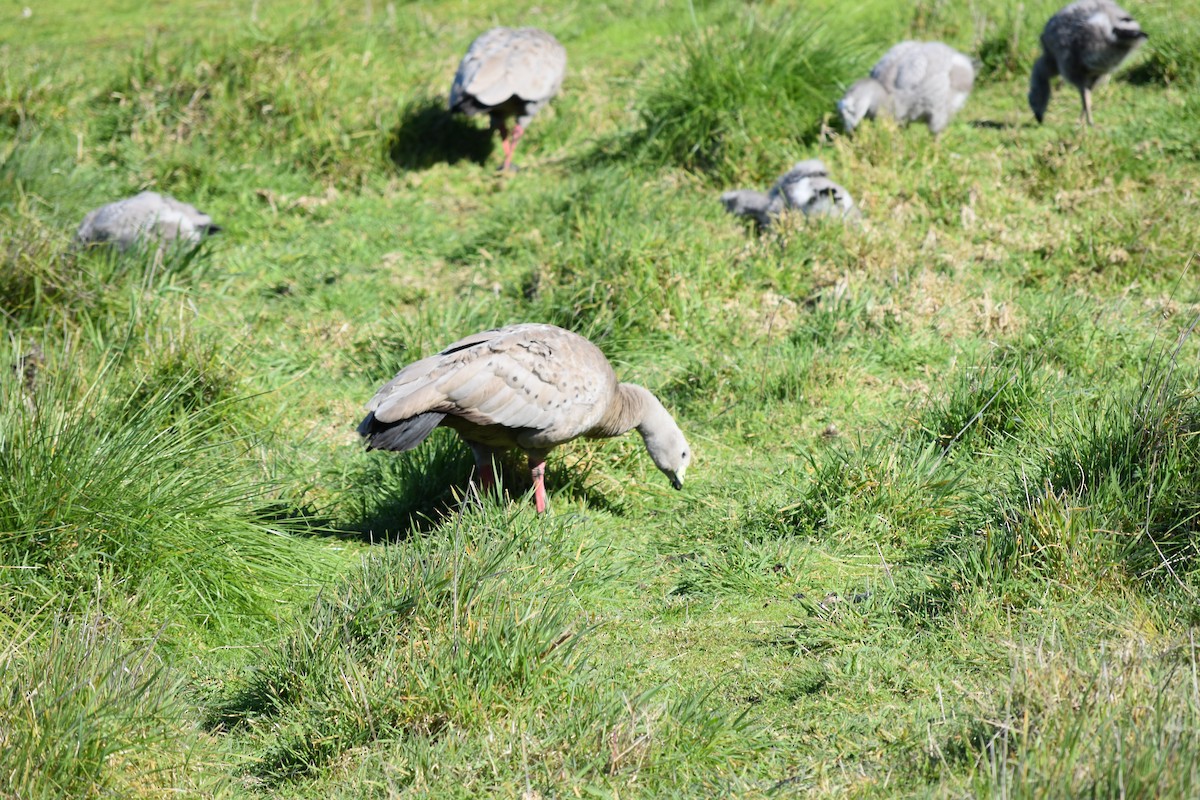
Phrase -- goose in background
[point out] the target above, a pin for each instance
(914, 81)
(1083, 42)
(507, 73)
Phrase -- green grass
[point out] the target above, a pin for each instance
(940, 534)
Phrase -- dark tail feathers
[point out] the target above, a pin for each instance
(399, 436)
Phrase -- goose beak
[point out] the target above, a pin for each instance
(676, 478)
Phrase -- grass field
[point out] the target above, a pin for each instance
(941, 535)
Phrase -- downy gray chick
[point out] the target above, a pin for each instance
(147, 216)
(914, 81)
(805, 187)
(1083, 42)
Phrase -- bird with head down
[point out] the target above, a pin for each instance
(1083, 42)
(507, 73)
(527, 386)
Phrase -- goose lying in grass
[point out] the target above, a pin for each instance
(148, 216)
(1083, 42)
(509, 72)
(805, 187)
(914, 81)
(528, 386)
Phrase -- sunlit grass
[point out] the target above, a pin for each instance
(939, 536)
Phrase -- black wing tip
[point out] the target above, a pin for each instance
(401, 435)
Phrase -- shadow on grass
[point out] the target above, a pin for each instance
(394, 495)
(997, 125)
(391, 496)
(428, 134)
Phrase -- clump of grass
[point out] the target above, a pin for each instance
(99, 485)
(748, 93)
(1004, 51)
(1120, 720)
(430, 644)
(42, 280)
(882, 489)
(1138, 465)
(987, 404)
(1170, 56)
(161, 107)
(30, 269)
(193, 372)
(86, 712)
(1115, 490)
(464, 629)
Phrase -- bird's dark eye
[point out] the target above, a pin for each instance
(683, 454)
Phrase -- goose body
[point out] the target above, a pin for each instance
(914, 81)
(1083, 42)
(509, 73)
(527, 386)
(148, 216)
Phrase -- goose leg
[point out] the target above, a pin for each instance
(1086, 94)
(510, 146)
(537, 469)
(505, 142)
(485, 468)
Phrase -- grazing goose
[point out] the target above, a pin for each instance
(529, 386)
(927, 81)
(805, 187)
(145, 216)
(509, 72)
(1083, 42)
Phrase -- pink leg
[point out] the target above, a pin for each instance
(510, 146)
(506, 142)
(517, 133)
(537, 468)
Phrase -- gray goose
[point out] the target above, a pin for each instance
(528, 386)
(914, 81)
(509, 72)
(1083, 42)
(146, 216)
(805, 187)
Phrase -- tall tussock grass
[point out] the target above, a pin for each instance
(88, 711)
(46, 282)
(433, 646)
(131, 490)
(161, 107)
(1077, 721)
(1138, 466)
(988, 404)
(748, 96)
(1009, 44)
(1111, 489)
(1170, 56)
(464, 625)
